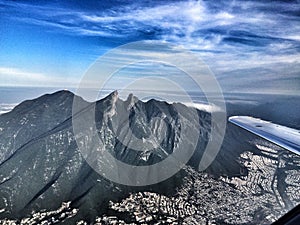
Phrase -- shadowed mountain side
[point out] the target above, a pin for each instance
(41, 166)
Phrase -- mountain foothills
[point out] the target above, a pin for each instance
(44, 178)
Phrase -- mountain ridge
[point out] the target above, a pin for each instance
(40, 155)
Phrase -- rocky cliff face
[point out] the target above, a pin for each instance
(40, 163)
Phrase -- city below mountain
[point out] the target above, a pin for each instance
(45, 178)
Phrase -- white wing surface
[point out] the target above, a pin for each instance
(285, 137)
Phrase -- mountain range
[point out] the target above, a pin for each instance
(41, 165)
(50, 169)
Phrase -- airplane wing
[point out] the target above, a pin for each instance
(285, 137)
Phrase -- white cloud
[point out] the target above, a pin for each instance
(179, 22)
(10, 76)
(6, 72)
(259, 35)
(204, 107)
(293, 37)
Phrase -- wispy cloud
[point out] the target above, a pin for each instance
(186, 21)
(230, 36)
(17, 77)
(14, 72)
(229, 27)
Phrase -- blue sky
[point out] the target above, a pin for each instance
(250, 46)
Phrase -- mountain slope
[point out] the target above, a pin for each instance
(44, 178)
(41, 165)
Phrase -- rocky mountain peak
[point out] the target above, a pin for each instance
(130, 101)
(113, 96)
